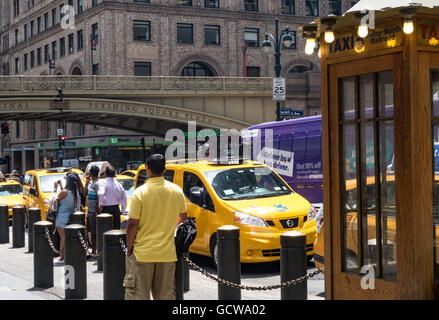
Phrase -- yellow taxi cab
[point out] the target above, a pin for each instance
(12, 176)
(38, 186)
(249, 195)
(131, 173)
(11, 194)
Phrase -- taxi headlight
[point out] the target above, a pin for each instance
(312, 213)
(247, 219)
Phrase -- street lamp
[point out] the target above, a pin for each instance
(286, 39)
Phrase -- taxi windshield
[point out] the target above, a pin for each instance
(246, 183)
(128, 185)
(11, 190)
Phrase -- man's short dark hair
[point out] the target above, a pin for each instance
(94, 171)
(156, 163)
(110, 171)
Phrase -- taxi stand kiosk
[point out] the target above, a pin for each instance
(380, 118)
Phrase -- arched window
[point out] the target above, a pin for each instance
(299, 69)
(196, 69)
(77, 72)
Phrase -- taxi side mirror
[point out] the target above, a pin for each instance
(196, 196)
(33, 192)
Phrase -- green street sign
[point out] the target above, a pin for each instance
(113, 140)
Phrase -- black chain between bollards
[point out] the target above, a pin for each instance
(240, 286)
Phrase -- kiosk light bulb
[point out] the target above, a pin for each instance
(363, 31)
(329, 36)
(408, 26)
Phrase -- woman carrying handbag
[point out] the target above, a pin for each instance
(69, 202)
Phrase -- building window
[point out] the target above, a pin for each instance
(251, 37)
(196, 69)
(54, 50)
(17, 128)
(184, 2)
(46, 21)
(94, 3)
(312, 8)
(142, 68)
(17, 65)
(251, 5)
(211, 3)
(16, 7)
(46, 53)
(142, 30)
(185, 33)
(39, 25)
(32, 28)
(293, 43)
(95, 32)
(289, 6)
(53, 17)
(62, 47)
(71, 43)
(32, 59)
(80, 39)
(253, 71)
(80, 8)
(212, 35)
(25, 63)
(16, 36)
(95, 68)
(39, 57)
(335, 7)
(25, 32)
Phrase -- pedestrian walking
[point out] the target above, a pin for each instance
(91, 193)
(156, 208)
(69, 202)
(111, 194)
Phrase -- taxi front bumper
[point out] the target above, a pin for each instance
(265, 247)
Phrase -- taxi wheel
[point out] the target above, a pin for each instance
(214, 251)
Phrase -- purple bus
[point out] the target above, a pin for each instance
(296, 153)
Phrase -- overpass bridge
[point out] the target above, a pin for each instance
(143, 104)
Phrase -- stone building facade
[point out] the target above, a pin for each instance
(161, 38)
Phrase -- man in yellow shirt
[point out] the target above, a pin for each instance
(156, 209)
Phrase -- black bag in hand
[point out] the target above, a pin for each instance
(185, 235)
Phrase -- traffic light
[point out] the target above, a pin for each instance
(52, 64)
(5, 128)
(142, 142)
(62, 140)
(93, 45)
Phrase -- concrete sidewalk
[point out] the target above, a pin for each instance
(17, 280)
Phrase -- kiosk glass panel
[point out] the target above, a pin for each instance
(435, 145)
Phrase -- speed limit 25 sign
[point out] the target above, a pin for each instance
(279, 91)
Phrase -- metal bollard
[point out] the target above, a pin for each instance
(77, 217)
(75, 262)
(104, 223)
(18, 218)
(114, 265)
(179, 278)
(43, 255)
(293, 264)
(186, 276)
(34, 215)
(229, 262)
(4, 223)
